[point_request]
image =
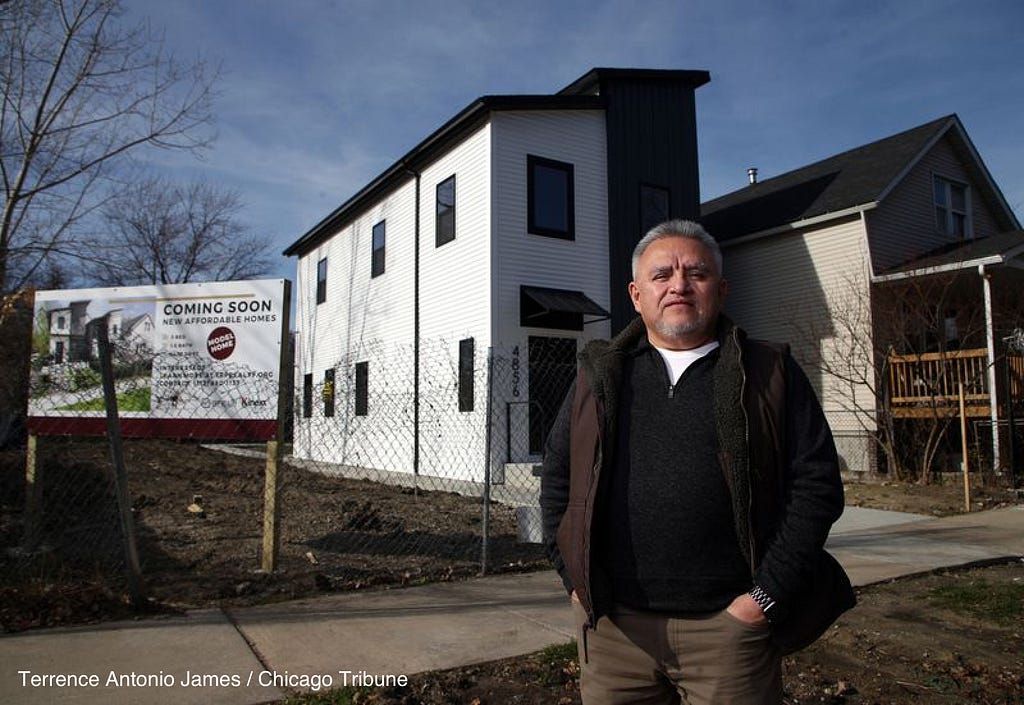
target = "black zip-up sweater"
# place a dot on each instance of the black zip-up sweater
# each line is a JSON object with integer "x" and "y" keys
{"x": 665, "y": 483}
{"x": 775, "y": 452}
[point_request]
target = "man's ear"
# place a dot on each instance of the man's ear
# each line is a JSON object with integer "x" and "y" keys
{"x": 723, "y": 290}
{"x": 634, "y": 295}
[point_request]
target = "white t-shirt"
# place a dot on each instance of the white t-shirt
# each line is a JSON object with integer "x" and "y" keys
{"x": 678, "y": 361}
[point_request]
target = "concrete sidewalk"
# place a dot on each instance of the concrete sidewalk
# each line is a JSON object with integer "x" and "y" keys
{"x": 260, "y": 654}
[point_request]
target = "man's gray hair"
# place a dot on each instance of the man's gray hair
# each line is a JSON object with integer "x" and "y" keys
{"x": 678, "y": 228}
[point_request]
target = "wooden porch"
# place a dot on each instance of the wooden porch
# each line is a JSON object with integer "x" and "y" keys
{"x": 928, "y": 384}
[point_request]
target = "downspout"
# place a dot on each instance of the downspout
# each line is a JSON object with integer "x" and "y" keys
{"x": 416, "y": 331}
{"x": 990, "y": 339}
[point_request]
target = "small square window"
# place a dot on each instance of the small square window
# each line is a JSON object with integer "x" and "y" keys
{"x": 445, "y": 222}
{"x": 362, "y": 388}
{"x": 321, "y": 281}
{"x": 377, "y": 264}
{"x": 551, "y": 198}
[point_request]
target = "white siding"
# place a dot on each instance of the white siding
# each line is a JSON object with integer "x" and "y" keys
{"x": 810, "y": 289}
{"x": 521, "y": 258}
{"x": 455, "y": 303}
{"x": 363, "y": 319}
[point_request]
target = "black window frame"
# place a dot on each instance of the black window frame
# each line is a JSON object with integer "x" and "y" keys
{"x": 362, "y": 388}
{"x": 377, "y": 256}
{"x": 444, "y": 213}
{"x": 307, "y": 395}
{"x": 646, "y": 220}
{"x": 467, "y": 362}
{"x": 321, "y": 281}
{"x": 532, "y": 163}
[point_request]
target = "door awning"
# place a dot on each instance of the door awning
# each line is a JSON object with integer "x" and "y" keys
{"x": 564, "y": 301}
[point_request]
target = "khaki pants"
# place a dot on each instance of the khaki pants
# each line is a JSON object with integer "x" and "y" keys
{"x": 641, "y": 658}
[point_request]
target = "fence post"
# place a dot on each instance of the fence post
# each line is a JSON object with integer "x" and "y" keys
{"x": 963, "y": 444}
{"x": 486, "y": 528}
{"x": 120, "y": 474}
{"x": 33, "y": 494}
{"x": 271, "y": 480}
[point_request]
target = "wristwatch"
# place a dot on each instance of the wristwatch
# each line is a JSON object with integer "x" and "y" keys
{"x": 764, "y": 601}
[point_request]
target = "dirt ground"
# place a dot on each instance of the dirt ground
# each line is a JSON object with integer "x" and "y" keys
{"x": 198, "y": 514}
{"x": 901, "y": 644}
{"x": 335, "y": 534}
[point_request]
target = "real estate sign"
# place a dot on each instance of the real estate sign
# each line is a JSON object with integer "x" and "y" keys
{"x": 190, "y": 360}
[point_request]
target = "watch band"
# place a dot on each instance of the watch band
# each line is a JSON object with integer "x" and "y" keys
{"x": 764, "y": 601}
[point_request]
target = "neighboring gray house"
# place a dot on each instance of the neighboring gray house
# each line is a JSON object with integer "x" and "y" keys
{"x": 509, "y": 228}
{"x": 819, "y": 255}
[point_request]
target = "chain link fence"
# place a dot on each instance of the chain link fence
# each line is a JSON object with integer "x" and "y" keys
{"x": 386, "y": 482}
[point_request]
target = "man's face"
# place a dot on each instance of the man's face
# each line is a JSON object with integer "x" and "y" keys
{"x": 679, "y": 292}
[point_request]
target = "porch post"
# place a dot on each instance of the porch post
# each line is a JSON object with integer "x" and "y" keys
{"x": 990, "y": 340}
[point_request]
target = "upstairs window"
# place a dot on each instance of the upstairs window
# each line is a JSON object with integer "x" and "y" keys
{"x": 445, "y": 221}
{"x": 377, "y": 264}
{"x": 655, "y": 205}
{"x": 952, "y": 208}
{"x": 321, "y": 281}
{"x": 551, "y": 198}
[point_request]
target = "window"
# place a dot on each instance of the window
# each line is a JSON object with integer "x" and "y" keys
{"x": 550, "y": 196}
{"x": 307, "y": 396}
{"x": 654, "y": 206}
{"x": 466, "y": 353}
{"x": 362, "y": 388}
{"x": 321, "y": 281}
{"x": 377, "y": 265}
{"x": 61, "y": 323}
{"x": 328, "y": 392}
{"x": 445, "y": 223}
{"x": 952, "y": 208}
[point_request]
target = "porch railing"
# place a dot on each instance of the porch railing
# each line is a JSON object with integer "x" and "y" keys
{"x": 930, "y": 382}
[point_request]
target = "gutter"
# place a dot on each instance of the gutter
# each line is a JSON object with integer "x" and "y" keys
{"x": 979, "y": 263}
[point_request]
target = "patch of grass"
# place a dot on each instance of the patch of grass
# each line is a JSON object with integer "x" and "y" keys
{"x": 559, "y": 654}
{"x": 1001, "y": 603}
{"x": 132, "y": 400}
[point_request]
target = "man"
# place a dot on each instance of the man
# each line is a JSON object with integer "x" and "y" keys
{"x": 690, "y": 481}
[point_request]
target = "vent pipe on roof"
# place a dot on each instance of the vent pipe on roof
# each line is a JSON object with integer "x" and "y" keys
{"x": 752, "y": 175}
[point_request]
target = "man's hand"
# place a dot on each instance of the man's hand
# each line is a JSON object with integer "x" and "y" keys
{"x": 746, "y": 610}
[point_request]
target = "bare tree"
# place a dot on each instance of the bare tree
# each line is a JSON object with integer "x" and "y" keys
{"x": 159, "y": 233}
{"x": 80, "y": 94}
{"x": 918, "y": 316}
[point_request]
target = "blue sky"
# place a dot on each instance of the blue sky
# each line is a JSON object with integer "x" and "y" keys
{"x": 317, "y": 97}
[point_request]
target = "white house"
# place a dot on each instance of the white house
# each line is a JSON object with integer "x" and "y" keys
{"x": 507, "y": 229}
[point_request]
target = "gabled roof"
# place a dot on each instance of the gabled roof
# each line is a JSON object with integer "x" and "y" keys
{"x": 854, "y": 180}
{"x": 1001, "y": 249}
{"x": 472, "y": 116}
{"x": 582, "y": 94}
